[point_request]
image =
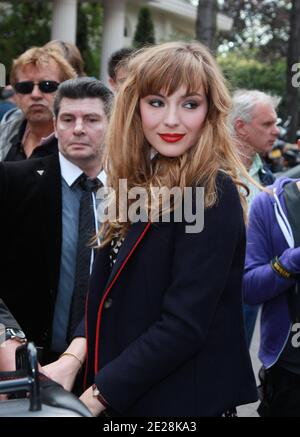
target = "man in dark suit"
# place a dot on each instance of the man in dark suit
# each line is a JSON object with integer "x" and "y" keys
{"x": 40, "y": 209}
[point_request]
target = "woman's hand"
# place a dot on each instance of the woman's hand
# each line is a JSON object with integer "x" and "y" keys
{"x": 64, "y": 370}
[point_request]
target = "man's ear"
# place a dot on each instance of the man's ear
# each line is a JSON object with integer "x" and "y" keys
{"x": 54, "y": 124}
{"x": 113, "y": 84}
{"x": 240, "y": 127}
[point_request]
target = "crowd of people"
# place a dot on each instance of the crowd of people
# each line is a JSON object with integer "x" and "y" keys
{"x": 139, "y": 312}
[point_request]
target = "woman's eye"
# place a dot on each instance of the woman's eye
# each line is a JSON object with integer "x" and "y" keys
{"x": 191, "y": 105}
{"x": 156, "y": 103}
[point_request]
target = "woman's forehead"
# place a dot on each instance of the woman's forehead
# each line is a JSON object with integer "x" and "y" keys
{"x": 181, "y": 90}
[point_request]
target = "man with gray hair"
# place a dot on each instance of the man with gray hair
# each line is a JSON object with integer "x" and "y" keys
{"x": 253, "y": 121}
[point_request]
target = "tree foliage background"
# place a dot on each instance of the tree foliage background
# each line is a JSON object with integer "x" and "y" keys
{"x": 27, "y": 24}
{"x": 265, "y": 43}
{"x": 252, "y": 73}
{"x": 88, "y": 38}
{"x": 22, "y": 25}
{"x": 144, "y": 34}
{"x": 258, "y": 24}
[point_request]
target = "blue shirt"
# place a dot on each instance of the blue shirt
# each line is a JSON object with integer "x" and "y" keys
{"x": 71, "y": 196}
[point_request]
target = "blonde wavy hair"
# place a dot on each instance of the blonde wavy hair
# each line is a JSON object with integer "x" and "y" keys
{"x": 40, "y": 57}
{"x": 166, "y": 68}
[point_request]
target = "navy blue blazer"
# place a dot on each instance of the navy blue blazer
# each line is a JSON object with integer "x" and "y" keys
{"x": 164, "y": 327}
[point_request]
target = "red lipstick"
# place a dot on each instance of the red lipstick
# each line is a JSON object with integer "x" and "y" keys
{"x": 171, "y": 138}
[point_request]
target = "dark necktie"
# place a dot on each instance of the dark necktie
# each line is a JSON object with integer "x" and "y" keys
{"x": 86, "y": 231}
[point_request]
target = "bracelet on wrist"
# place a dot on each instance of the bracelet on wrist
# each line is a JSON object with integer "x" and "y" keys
{"x": 72, "y": 355}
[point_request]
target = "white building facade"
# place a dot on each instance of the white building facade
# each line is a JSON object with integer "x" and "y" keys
{"x": 173, "y": 19}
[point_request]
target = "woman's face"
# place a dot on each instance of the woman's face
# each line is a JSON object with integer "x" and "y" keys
{"x": 172, "y": 124}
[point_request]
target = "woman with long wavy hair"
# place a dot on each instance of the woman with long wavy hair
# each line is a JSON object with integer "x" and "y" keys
{"x": 164, "y": 326}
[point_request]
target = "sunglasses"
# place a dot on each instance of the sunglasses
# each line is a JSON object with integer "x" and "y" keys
{"x": 45, "y": 86}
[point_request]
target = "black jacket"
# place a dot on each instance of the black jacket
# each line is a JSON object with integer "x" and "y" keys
{"x": 30, "y": 222}
{"x": 165, "y": 326}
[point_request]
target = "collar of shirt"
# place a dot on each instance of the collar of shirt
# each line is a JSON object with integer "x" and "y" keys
{"x": 70, "y": 172}
{"x": 46, "y": 139}
{"x": 257, "y": 165}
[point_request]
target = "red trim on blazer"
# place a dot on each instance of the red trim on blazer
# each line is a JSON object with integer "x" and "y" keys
{"x": 86, "y": 338}
{"x": 106, "y": 293}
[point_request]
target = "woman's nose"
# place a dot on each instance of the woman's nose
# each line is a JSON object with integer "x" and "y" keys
{"x": 172, "y": 117}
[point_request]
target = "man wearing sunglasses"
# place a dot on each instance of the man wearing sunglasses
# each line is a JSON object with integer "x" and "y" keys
{"x": 41, "y": 203}
{"x": 35, "y": 76}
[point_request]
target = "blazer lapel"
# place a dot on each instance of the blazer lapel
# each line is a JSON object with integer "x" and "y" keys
{"x": 135, "y": 235}
{"x": 131, "y": 242}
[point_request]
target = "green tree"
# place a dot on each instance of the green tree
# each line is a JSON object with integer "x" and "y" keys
{"x": 250, "y": 73}
{"x": 258, "y": 24}
{"x": 89, "y": 35}
{"x": 23, "y": 25}
{"x": 269, "y": 32}
{"x": 144, "y": 34}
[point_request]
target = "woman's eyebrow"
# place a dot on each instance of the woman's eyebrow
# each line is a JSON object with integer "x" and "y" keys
{"x": 193, "y": 94}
